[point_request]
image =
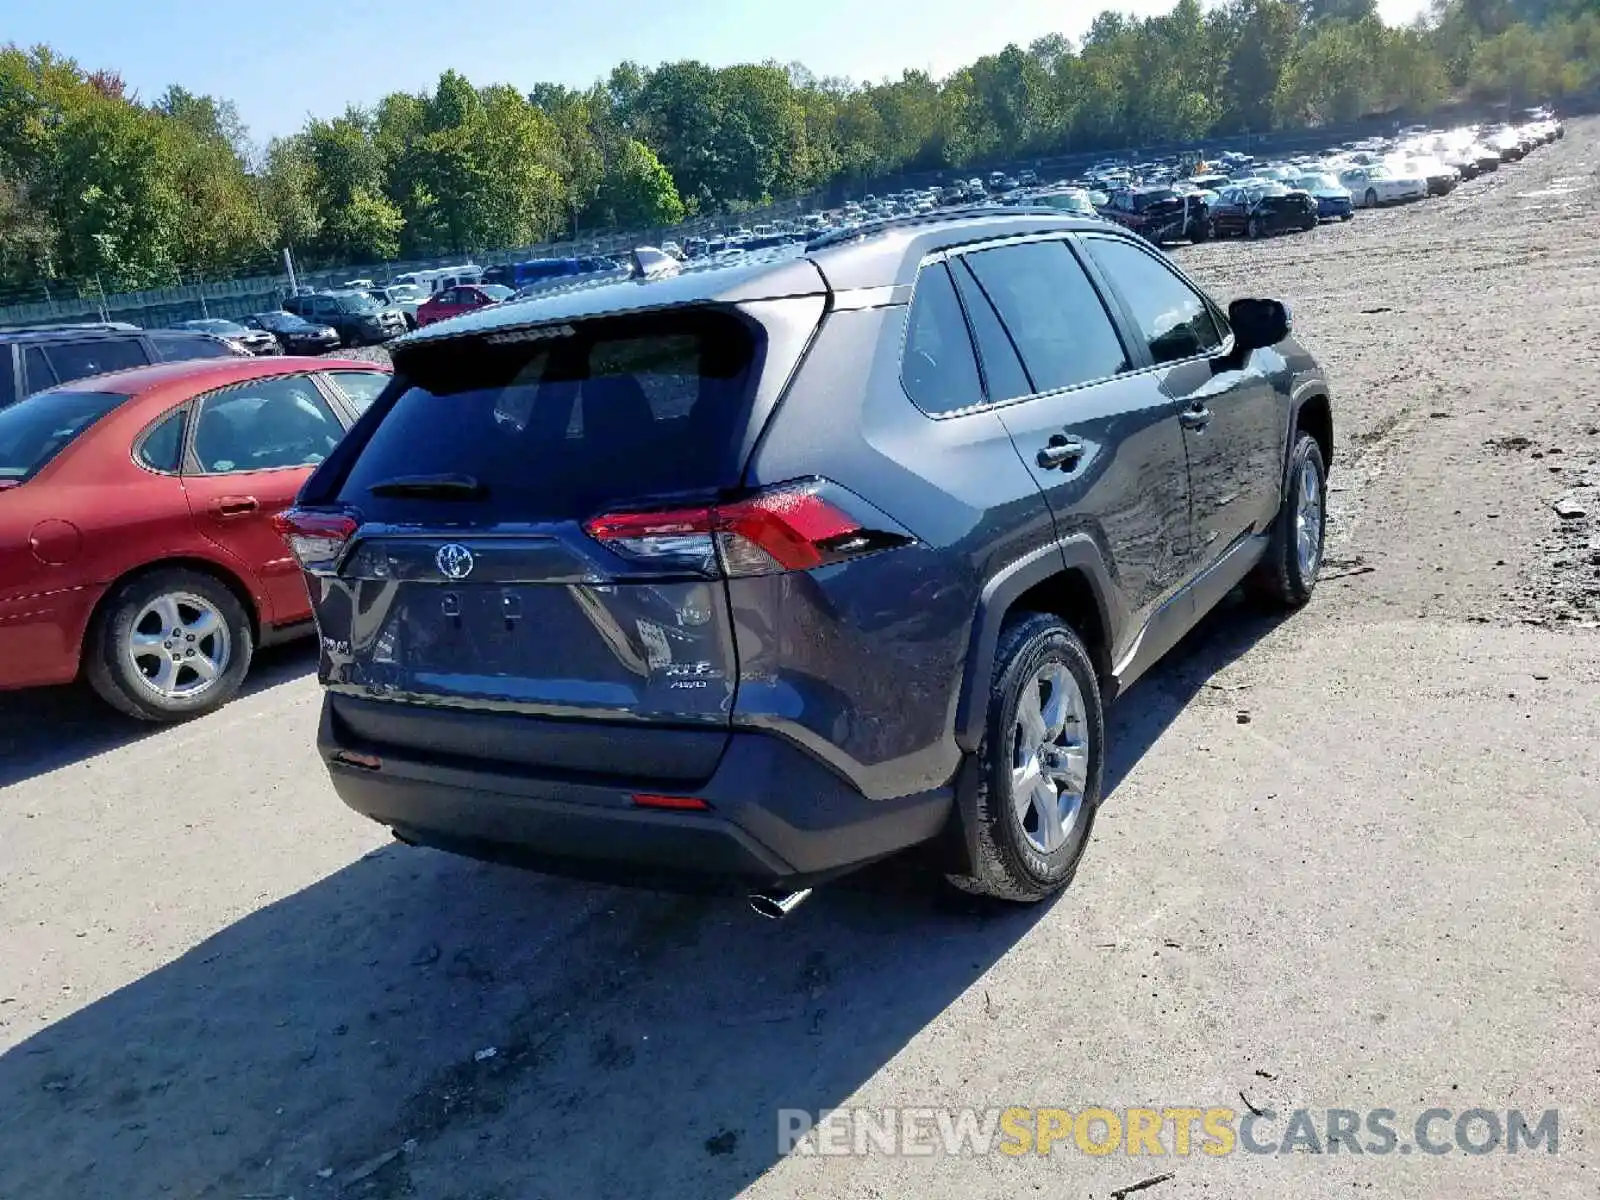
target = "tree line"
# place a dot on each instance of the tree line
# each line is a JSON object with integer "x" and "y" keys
{"x": 95, "y": 182}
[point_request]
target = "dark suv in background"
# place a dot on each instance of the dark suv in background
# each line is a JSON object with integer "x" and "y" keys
{"x": 768, "y": 570}
{"x": 42, "y": 357}
{"x": 357, "y": 317}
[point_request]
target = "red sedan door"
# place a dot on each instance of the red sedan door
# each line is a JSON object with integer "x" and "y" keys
{"x": 254, "y": 444}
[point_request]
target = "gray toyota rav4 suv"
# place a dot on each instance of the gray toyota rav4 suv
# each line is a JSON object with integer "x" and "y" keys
{"x": 763, "y": 571}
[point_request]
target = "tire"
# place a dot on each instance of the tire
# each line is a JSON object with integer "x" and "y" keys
{"x": 1349, "y": 216}
{"x": 127, "y": 679}
{"x": 1286, "y": 577}
{"x": 1200, "y": 231}
{"x": 1372, "y": 197}
{"x": 1008, "y": 861}
{"x": 1253, "y": 229}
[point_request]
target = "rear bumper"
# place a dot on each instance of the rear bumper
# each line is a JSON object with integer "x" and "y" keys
{"x": 776, "y": 817}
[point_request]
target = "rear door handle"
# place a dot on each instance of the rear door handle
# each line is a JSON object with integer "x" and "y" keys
{"x": 1061, "y": 451}
{"x": 1195, "y": 418}
{"x": 224, "y": 507}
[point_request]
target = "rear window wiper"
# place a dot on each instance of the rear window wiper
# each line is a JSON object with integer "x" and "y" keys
{"x": 431, "y": 487}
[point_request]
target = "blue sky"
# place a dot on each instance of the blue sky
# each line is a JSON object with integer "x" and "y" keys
{"x": 283, "y": 60}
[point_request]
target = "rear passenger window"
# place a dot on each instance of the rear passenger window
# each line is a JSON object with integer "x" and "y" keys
{"x": 1055, "y": 316}
{"x": 163, "y": 445}
{"x": 1173, "y": 318}
{"x": 265, "y": 426}
{"x": 938, "y": 370}
{"x": 8, "y": 382}
{"x": 1003, "y": 376}
{"x": 79, "y": 360}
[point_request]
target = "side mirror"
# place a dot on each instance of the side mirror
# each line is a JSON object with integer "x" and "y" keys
{"x": 1258, "y": 324}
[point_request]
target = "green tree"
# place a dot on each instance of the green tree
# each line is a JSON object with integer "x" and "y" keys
{"x": 638, "y": 191}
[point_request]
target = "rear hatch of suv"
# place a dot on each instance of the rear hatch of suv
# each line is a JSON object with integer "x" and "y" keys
{"x": 522, "y": 546}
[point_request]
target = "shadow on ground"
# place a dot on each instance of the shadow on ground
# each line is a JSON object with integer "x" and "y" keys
{"x": 508, "y": 1035}
{"x": 43, "y": 729}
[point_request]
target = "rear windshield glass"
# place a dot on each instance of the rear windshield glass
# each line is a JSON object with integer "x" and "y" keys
{"x": 40, "y": 427}
{"x": 559, "y": 427}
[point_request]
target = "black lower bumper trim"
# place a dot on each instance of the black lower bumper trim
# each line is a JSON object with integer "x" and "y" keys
{"x": 776, "y": 817}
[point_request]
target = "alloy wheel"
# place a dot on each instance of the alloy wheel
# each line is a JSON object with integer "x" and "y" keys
{"x": 179, "y": 645}
{"x": 1050, "y": 757}
{"x": 1308, "y": 521}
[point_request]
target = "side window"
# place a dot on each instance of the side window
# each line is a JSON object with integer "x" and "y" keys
{"x": 1170, "y": 314}
{"x": 265, "y": 426}
{"x": 361, "y": 388}
{"x": 96, "y": 356}
{"x": 162, "y": 445}
{"x": 8, "y": 377}
{"x": 37, "y": 374}
{"x": 1003, "y": 376}
{"x": 938, "y": 370}
{"x": 1055, "y": 316}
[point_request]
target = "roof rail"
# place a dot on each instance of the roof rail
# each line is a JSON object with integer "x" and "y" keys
{"x": 837, "y": 237}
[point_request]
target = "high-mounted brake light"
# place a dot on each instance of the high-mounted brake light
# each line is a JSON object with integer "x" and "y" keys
{"x": 316, "y": 539}
{"x": 789, "y": 528}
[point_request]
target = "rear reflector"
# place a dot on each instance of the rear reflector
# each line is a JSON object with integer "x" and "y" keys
{"x": 316, "y": 539}
{"x": 349, "y": 758}
{"x": 689, "y": 803}
{"x": 789, "y": 528}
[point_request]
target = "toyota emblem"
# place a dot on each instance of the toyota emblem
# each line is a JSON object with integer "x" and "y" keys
{"x": 454, "y": 560}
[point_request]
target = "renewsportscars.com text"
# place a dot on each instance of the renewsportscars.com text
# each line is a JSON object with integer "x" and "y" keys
{"x": 1153, "y": 1132}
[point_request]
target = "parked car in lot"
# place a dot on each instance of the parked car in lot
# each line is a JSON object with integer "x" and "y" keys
{"x": 359, "y": 319}
{"x": 1259, "y": 209}
{"x": 407, "y": 297}
{"x": 1440, "y": 177}
{"x": 40, "y": 357}
{"x": 766, "y": 571}
{"x": 250, "y": 341}
{"x": 452, "y": 302}
{"x": 1068, "y": 200}
{"x": 1371, "y": 186}
{"x": 295, "y": 334}
{"x": 1334, "y": 202}
{"x": 136, "y": 543}
{"x": 1161, "y": 214}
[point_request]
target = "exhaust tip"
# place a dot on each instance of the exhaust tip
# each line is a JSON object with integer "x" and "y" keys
{"x": 774, "y": 906}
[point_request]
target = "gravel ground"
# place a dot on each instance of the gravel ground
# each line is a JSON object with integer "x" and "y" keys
{"x": 1347, "y": 861}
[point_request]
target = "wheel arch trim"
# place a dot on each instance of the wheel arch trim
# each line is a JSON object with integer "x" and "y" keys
{"x": 1073, "y": 555}
{"x": 228, "y": 578}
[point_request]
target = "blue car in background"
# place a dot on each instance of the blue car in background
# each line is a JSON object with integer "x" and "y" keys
{"x": 544, "y": 270}
{"x": 1334, "y": 201}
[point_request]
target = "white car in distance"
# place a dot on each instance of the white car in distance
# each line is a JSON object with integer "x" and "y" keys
{"x": 1380, "y": 184}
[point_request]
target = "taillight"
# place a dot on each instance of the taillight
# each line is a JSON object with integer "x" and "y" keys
{"x": 788, "y": 528}
{"x": 317, "y": 539}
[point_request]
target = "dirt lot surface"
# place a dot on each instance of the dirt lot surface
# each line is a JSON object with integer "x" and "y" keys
{"x": 1347, "y": 861}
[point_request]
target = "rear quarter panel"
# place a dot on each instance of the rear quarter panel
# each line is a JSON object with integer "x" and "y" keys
{"x": 862, "y": 663}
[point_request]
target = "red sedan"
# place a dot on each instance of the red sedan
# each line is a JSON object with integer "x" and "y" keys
{"x": 136, "y": 539}
{"x": 453, "y": 301}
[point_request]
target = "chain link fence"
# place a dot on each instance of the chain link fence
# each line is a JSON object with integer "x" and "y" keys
{"x": 196, "y": 294}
